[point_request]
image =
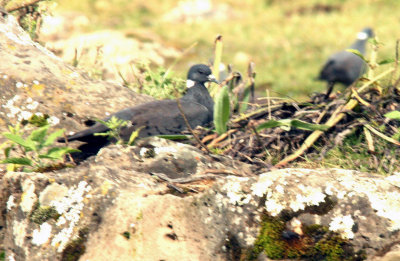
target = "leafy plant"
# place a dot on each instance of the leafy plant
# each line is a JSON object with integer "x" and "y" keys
{"x": 221, "y": 110}
{"x": 34, "y": 153}
{"x": 160, "y": 83}
{"x": 234, "y": 96}
{"x": 115, "y": 125}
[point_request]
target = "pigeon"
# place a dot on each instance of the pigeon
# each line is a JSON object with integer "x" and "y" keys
{"x": 161, "y": 117}
{"x": 346, "y": 67}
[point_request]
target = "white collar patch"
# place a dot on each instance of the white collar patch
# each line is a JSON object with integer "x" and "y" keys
{"x": 362, "y": 36}
{"x": 189, "y": 83}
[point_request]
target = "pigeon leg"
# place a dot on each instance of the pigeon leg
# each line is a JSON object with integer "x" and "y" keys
{"x": 330, "y": 88}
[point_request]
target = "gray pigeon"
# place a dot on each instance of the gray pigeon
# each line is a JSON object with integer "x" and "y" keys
{"x": 161, "y": 117}
{"x": 346, "y": 67}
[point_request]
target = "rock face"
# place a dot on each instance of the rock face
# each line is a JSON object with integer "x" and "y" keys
{"x": 33, "y": 80}
{"x": 111, "y": 207}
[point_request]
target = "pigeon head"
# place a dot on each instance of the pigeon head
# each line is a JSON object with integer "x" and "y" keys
{"x": 200, "y": 73}
{"x": 366, "y": 33}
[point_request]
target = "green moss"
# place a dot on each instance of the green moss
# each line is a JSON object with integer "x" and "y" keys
{"x": 42, "y": 214}
{"x": 2, "y": 255}
{"x": 317, "y": 243}
{"x": 76, "y": 247}
{"x": 270, "y": 240}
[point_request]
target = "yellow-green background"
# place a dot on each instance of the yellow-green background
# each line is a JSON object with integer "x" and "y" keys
{"x": 289, "y": 40}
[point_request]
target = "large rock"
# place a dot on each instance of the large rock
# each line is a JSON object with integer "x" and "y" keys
{"x": 119, "y": 206}
{"x": 33, "y": 80}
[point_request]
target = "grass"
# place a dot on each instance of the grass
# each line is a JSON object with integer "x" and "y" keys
{"x": 288, "y": 40}
{"x": 353, "y": 154}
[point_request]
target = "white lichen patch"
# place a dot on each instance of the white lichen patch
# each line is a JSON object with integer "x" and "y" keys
{"x": 234, "y": 191}
{"x": 41, "y": 235}
{"x": 261, "y": 187}
{"x": 273, "y": 206}
{"x": 28, "y": 197}
{"x": 19, "y": 232}
{"x": 53, "y": 120}
{"x": 10, "y": 203}
{"x": 20, "y": 112}
{"x": 277, "y": 198}
{"x": 159, "y": 150}
{"x": 343, "y": 225}
{"x": 387, "y": 205}
{"x": 69, "y": 207}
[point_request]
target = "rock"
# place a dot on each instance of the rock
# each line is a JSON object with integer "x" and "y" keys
{"x": 194, "y": 11}
{"x": 106, "y": 54}
{"x": 34, "y": 80}
{"x": 115, "y": 209}
{"x": 112, "y": 53}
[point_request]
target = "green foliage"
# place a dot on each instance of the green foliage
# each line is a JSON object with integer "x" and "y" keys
{"x": 395, "y": 115}
{"x": 286, "y": 124}
{"x": 42, "y": 214}
{"x": 2, "y": 255}
{"x": 35, "y": 152}
{"x": 289, "y": 52}
{"x": 222, "y": 110}
{"x": 160, "y": 83}
{"x": 115, "y": 125}
{"x": 317, "y": 243}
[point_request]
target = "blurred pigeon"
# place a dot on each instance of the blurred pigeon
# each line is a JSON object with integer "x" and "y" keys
{"x": 161, "y": 117}
{"x": 346, "y": 67}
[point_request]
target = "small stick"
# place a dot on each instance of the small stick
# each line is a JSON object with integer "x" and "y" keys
{"x": 190, "y": 128}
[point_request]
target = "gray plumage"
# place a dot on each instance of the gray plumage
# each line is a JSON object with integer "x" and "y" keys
{"x": 346, "y": 67}
{"x": 162, "y": 117}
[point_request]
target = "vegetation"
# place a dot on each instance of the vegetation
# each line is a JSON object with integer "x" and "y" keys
{"x": 317, "y": 243}
{"x": 160, "y": 83}
{"x": 28, "y": 13}
{"x": 34, "y": 151}
{"x": 115, "y": 125}
{"x": 288, "y": 40}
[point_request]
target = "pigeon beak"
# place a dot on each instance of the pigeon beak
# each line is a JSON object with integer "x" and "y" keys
{"x": 211, "y": 78}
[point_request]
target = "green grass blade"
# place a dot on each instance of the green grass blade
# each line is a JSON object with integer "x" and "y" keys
{"x": 308, "y": 126}
{"x": 288, "y": 123}
{"x": 395, "y": 115}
